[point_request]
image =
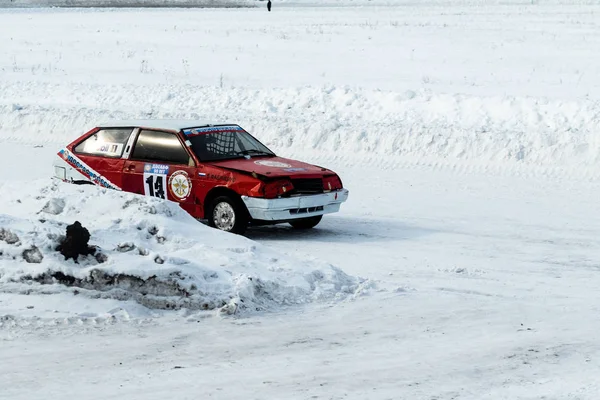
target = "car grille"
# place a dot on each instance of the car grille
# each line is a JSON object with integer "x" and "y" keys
{"x": 308, "y": 185}
{"x": 306, "y": 210}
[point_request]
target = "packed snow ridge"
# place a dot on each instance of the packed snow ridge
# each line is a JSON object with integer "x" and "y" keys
{"x": 151, "y": 252}
{"x": 127, "y": 3}
{"x": 338, "y": 121}
{"x": 246, "y": 3}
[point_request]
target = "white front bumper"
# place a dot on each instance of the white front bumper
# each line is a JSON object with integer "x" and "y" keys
{"x": 295, "y": 207}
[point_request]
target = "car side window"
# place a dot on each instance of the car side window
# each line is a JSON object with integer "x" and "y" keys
{"x": 161, "y": 147}
{"x": 106, "y": 142}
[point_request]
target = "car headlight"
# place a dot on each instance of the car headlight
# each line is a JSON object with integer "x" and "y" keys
{"x": 332, "y": 182}
{"x": 271, "y": 190}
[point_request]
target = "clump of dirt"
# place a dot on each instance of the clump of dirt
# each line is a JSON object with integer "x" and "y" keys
{"x": 76, "y": 242}
{"x": 33, "y": 255}
{"x": 125, "y": 247}
{"x": 9, "y": 237}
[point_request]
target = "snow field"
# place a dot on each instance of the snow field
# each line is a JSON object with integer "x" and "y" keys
{"x": 282, "y": 77}
{"x": 446, "y": 124}
{"x": 126, "y": 3}
{"x": 540, "y": 50}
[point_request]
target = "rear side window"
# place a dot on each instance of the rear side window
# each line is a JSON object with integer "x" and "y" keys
{"x": 160, "y": 146}
{"x": 105, "y": 142}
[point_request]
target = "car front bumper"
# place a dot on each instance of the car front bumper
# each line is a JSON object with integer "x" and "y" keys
{"x": 289, "y": 208}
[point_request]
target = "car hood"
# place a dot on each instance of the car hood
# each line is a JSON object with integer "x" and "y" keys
{"x": 272, "y": 166}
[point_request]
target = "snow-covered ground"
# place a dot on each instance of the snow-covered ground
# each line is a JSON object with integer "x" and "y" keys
{"x": 424, "y": 84}
{"x": 464, "y": 265}
{"x": 127, "y": 3}
{"x": 150, "y": 253}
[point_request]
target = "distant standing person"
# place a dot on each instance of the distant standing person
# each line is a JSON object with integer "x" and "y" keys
{"x": 269, "y": 5}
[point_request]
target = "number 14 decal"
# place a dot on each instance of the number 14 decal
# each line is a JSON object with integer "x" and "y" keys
{"x": 155, "y": 185}
{"x": 155, "y": 180}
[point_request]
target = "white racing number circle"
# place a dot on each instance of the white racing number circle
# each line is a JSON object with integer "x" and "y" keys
{"x": 275, "y": 164}
{"x": 180, "y": 185}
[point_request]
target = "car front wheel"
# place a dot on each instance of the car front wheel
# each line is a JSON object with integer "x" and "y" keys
{"x": 306, "y": 223}
{"x": 228, "y": 214}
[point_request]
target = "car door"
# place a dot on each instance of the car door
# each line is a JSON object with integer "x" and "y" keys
{"x": 159, "y": 165}
{"x": 101, "y": 154}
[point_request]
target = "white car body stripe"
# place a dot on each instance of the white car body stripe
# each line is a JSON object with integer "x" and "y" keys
{"x": 85, "y": 170}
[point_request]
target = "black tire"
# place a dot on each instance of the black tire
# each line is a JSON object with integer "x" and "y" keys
{"x": 225, "y": 205}
{"x": 306, "y": 223}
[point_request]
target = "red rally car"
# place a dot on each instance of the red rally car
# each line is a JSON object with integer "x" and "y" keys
{"x": 216, "y": 172}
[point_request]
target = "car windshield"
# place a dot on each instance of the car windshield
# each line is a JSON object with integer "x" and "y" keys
{"x": 215, "y": 143}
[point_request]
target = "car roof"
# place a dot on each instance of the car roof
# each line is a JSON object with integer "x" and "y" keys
{"x": 170, "y": 124}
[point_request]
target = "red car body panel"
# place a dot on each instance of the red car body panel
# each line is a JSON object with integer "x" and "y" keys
{"x": 273, "y": 167}
{"x": 135, "y": 180}
{"x": 109, "y": 168}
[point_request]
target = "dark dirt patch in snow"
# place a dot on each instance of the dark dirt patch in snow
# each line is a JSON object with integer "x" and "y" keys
{"x": 8, "y": 236}
{"x": 159, "y": 293}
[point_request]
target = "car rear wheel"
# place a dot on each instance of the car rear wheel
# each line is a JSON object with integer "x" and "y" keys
{"x": 306, "y": 223}
{"x": 228, "y": 214}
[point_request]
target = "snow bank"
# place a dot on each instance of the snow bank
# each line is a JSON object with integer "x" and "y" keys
{"x": 295, "y": 3}
{"x": 441, "y": 3}
{"x": 150, "y": 252}
{"x": 127, "y": 3}
{"x": 524, "y": 98}
{"x": 338, "y": 121}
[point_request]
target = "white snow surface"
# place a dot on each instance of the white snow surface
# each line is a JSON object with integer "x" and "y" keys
{"x": 126, "y": 3}
{"x": 466, "y": 132}
{"x": 184, "y": 264}
{"x": 510, "y": 84}
{"x": 411, "y": 127}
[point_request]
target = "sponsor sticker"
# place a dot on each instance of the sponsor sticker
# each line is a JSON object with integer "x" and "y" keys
{"x": 155, "y": 178}
{"x": 113, "y": 149}
{"x": 274, "y": 164}
{"x": 226, "y": 178}
{"x": 160, "y": 169}
{"x": 180, "y": 185}
{"x": 211, "y": 129}
{"x": 105, "y": 148}
{"x": 295, "y": 169}
{"x": 85, "y": 170}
